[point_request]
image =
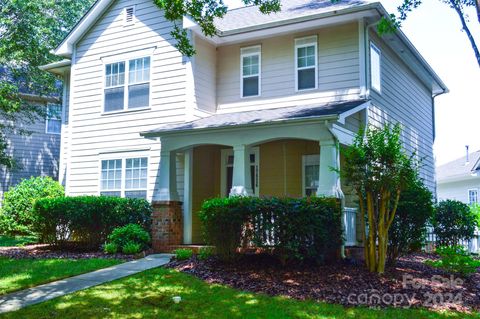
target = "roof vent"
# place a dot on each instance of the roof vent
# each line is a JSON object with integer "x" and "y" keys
{"x": 129, "y": 15}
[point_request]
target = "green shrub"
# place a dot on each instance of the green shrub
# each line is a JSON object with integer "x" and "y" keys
{"x": 131, "y": 248}
{"x": 409, "y": 227}
{"x": 131, "y": 233}
{"x": 183, "y": 253}
{"x": 110, "y": 248}
{"x": 17, "y": 215}
{"x": 455, "y": 259}
{"x": 307, "y": 228}
{"x": 453, "y": 221}
{"x": 205, "y": 252}
{"x": 88, "y": 220}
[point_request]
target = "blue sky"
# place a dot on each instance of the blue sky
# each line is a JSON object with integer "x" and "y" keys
{"x": 436, "y": 31}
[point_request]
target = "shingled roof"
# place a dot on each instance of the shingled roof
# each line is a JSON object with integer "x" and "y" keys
{"x": 459, "y": 168}
{"x": 264, "y": 116}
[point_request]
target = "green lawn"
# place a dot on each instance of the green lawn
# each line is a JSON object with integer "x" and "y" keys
{"x": 16, "y": 274}
{"x": 148, "y": 295}
{"x": 7, "y": 241}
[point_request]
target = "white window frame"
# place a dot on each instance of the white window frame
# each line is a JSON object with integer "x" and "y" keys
{"x": 377, "y": 87}
{"x": 224, "y": 154}
{"x": 47, "y": 118}
{"x": 123, "y": 157}
{"x": 476, "y": 196}
{"x": 126, "y": 59}
{"x": 302, "y": 43}
{"x": 247, "y": 52}
{"x": 125, "y": 22}
{"x": 308, "y": 159}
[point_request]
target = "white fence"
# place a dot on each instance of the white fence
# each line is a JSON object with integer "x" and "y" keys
{"x": 472, "y": 245}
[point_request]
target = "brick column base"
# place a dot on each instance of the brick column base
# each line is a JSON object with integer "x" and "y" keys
{"x": 167, "y": 225}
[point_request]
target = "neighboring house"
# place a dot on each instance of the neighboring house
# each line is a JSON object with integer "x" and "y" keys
{"x": 460, "y": 180}
{"x": 38, "y": 153}
{"x": 259, "y": 110}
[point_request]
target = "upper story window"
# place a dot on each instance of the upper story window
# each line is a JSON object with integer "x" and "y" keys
{"x": 375, "y": 71}
{"x": 124, "y": 177}
{"x": 121, "y": 92}
{"x": 53, "y": 123}
{"x": 472, "y": 196}
{"x": 250, "y": 68}
{"x": 306, "y": 57}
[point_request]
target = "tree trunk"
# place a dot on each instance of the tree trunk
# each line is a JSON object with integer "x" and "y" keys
{"x": 457, "y": 8}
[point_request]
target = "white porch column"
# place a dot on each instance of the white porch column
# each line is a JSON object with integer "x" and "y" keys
{"x": 329, "y": 180}
{"x": 241, "y": 181}
{"x": 187, "y": 197}
{"x": 167, "y": 188}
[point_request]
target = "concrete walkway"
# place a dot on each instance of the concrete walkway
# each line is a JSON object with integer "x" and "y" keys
{"x": 31, "y": 296}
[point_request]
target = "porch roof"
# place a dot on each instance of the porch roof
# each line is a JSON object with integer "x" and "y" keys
{"x": 265, "y": 116}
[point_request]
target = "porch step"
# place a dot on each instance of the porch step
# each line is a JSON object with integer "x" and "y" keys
{"x": 171, "y": 248}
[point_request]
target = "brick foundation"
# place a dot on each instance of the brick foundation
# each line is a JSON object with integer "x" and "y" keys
{"x": 167, "y": 225}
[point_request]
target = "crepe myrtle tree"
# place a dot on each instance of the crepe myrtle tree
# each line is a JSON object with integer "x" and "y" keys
{"x": 377, "y": 168}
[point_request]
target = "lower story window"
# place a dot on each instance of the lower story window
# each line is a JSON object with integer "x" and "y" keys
{"x": 124, "y": 177}
{"x": 311, "y": 166}
{"x": 473, "y": 196}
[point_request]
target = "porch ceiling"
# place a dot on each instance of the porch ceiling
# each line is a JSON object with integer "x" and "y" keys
{"x": 266, "y": 116}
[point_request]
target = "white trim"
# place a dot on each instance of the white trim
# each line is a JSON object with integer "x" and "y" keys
{"x": 379, "y": 52}
{"x": 361, "y": 57}
{"x": 187, "y": 197}
{"x": 476, "y": 195}
{"x": 308, "y": 159}
{"x": 344, "y": 115}
{"x": 302, "y": 43}
{"x": 47, "y": 118}
{"x": 122, "y": 156}
{"x": 126, "y": 58}
{"x": 255, "y": 50}
{"x": 224, "y": 153}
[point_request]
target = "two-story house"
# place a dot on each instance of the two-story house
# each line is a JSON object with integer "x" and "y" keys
{"x": 259, "y": 110}
{"x": 36, "y": 153}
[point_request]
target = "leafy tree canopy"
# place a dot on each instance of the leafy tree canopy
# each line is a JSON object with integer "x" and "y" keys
{"x": 29, "y": 30}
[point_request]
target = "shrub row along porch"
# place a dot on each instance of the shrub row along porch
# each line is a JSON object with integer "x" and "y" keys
{"x": 292, "y": 152}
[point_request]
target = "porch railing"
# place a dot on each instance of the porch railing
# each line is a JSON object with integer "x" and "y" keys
{"x": 472, "y": 245}
{"x": 350, "y": 222}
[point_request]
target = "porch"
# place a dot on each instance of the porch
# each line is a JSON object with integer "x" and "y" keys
{"x": 294, "y": 157}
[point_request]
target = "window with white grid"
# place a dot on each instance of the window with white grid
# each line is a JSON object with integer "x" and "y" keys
{"x": 111, "y": 178}
{"x": 136, "y": 177}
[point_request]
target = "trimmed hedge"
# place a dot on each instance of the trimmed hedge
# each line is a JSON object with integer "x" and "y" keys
{"x": 294, "y": 229}
{"x": 87, "y": 220}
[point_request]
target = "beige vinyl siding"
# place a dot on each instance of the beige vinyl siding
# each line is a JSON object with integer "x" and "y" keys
{"x": 405, "y": 99}
{"x": 338, "y": 71}
{"x": 458, "y": 190}
{"x": 92, "y": 133}
{"x": 65, "y": 131}
{"x": 204, "y": 71}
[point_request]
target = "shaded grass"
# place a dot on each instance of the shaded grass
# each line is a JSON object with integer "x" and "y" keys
{"x": 16, "y": 274}
{"x": 8, "y": 241}
{"x": 149, "y": 295}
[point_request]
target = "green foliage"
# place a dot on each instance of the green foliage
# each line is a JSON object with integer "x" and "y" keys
{"x": 307, "y": 228}
{"x": 17, "y": 216}
{"x": 203, "y": 13}
{"x": 88, "y": 220}
{"x": 131, "y": 248}
{"x": 183, "y": 253}
{"x": 475, "y": 208}
{"x": 409, "y": 228}
{"x": 19, "y": 241}
{"x": 453, "y": 222}
{"x": 205, "y": 253}
{"x": 455, "y": 259}
{"x": 378, "y": 169}
{"x": 131, "y": 233}
{"x": 29, "y": 31}
{"x": 110, "y": 248}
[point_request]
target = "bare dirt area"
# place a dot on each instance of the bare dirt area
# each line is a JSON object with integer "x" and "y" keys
{"x": 410, "y": 283}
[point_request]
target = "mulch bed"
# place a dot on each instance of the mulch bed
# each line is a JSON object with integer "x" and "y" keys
{"x": 344, "y": 283}
{"x": 41, "y": 251}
